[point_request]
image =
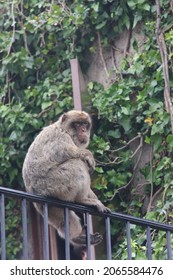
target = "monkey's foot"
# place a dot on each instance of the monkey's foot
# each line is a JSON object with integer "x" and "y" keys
{"x": 95, "y": 239}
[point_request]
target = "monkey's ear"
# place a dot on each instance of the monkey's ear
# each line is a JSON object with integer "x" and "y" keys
{"x": 64, "y": 117}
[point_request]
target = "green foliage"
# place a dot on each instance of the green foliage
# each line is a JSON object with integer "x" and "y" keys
{"x": 12, "y": 229}
{"x": 37, "y": 40}
{"x": 134, "y": 106}
{"x": 35, "y": 87}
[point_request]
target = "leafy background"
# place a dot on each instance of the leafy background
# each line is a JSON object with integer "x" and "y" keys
{"x": 37, "y": 39}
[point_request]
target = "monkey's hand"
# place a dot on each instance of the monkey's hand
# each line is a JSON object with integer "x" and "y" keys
{"x": 89, "y": 160}
{"x": 101, "y": 208}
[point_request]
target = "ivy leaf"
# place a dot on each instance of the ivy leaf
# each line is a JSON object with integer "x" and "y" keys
{"x": 114, "y": 133}
{"x": 131, "y": 4}
{"x": 146, "y": 7}
{"x": 126, "y": 123}
{"x": 147, "y": 139}
{"x": 156, "y": 140}
{"x": 100, "y": 25}
{"x": 13, "y": 136}
{"x": 169, "y": 140}
{"x": 149, "y": 120}
{"x": 46, "y": 104}
{"x": 99, "y": 169}
{"x": 154, "y": 129}
{"x": 137, "y": 18}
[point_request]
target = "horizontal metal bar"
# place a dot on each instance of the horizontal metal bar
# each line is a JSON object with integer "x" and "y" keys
{"x": 84, "y": 209}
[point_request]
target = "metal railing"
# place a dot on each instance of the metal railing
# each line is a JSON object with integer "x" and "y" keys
{"x": 148, "y": 225}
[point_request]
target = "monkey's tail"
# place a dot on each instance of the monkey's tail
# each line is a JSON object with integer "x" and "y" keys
{"x": 39, "y": 208}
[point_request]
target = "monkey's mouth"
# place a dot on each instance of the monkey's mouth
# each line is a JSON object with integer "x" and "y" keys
{"x": 83, "y": 141}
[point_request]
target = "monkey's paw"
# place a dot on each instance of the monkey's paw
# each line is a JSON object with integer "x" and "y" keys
{"x": 103, "y": 209}
{"x": 90, "y": 163}
{"x": 95, "y": 239}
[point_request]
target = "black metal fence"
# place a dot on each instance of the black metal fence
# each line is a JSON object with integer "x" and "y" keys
{"x": 147, "y": 225}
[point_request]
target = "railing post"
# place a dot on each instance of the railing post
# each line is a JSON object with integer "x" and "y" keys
{"x": 76, "y": 84}
{"x": 67, "y": 239}
{"x": 46, "y": 232}
{"x": 77, "y": 80}
{"x": 3, "y": 237}
{"x": 149, "y": 249}
{"x": 128, "y": 237}
{"x": 168, "y": 244}
{"x": 25, "y": 233}
{"x": 88, "y": 231}
{"x": 108, "y": 238}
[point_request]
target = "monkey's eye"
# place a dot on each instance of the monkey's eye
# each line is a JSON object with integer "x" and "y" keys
{"x": 87, "y": 125}
{"x": 77, "y": 125}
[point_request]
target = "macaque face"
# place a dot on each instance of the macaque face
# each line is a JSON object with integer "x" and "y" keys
{"x": 78, "y": 126}
{"x": 82, "y": 133}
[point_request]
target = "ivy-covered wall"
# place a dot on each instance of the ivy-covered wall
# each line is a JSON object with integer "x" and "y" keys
{"x": 37, "y": 40}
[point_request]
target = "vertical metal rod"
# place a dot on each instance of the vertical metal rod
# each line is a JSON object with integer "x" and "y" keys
{"x": 149, "y": 249}
{"x": 46, "y": 232}
{"x": 168, "y": 244}
{"x": 2, "y": 219}
{"x": 108, "y": 238}
{"x": 88, "y": 231}
{"x": 67, "y": 239}
{"x": 25, "y": 233}
{"x": 76, "y": 84}
{"x": 128, "y": 237}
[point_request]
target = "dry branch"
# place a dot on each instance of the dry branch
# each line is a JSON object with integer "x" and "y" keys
{"x": 14, "y": 28}
{"x": 171, "y": 4}
{"x": 151, "y": 182}
{"x": 139, "y": 149}
{"x": 101, "y": 54}
{"x": 127, "y": 45}
{"x": 164, "y": 56}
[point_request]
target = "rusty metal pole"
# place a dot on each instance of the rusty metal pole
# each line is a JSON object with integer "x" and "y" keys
{"x": 77, "y": 80}
{"x": 76, "y": 84}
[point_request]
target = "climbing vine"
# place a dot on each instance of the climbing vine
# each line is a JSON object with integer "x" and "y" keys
{"x": 37, "y": 40}
{"x": 138, "y": 106}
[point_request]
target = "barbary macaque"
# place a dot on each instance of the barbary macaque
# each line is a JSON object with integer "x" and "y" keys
{"x": 58, "y": 165}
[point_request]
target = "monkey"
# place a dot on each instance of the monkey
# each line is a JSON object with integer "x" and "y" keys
{"x": 58, "y": 164}
{"x": 80, "y": 252}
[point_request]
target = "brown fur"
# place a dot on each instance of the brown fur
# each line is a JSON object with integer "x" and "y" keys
{"x": 58, "y": 164}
